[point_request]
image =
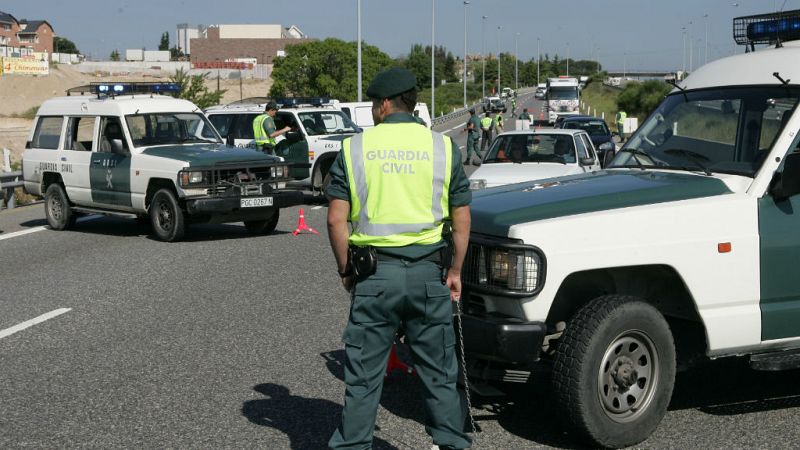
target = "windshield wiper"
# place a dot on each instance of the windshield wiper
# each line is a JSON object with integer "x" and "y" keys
{"x": 634, "y": 152}
{"x": 691, "y": 156}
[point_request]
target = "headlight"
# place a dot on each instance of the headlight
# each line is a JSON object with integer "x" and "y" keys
{"x": 477, "y": 184}
{"x": 510, "y": 269}
{"x": 279, "y": 171}
{"x": 190, "y": 178}
{"x": 607, "y": 146}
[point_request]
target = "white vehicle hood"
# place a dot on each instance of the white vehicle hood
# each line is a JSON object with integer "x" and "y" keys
{"x": 498, "y": 174}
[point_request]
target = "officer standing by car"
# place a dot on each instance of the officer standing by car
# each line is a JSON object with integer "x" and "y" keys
{"x": 264, "y": 130}
{"x": 473, "y": 134}
{"x": 398, "y": 272}
{"x": 621, "y": 116}
{"x": 487, "y": 123}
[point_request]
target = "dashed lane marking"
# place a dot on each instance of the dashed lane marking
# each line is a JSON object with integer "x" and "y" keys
{"x": 29, "y": 323}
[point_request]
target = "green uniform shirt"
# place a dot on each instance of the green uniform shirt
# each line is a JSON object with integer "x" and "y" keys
{"x": 459, "y": 194}
{"x": 476, "y": 124}
{"x": 524, "y": 116}
{"x": 269, "y": 126}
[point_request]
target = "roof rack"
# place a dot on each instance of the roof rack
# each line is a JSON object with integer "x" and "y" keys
{"x": 771, "y": 28}
{"x": 126, "y": 88}
{"x": 250, "y": 100}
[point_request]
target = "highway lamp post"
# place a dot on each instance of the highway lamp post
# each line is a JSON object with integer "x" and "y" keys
{"x": 706, "y": 50}
{"x": 359, "y": 51}
{"x": 516, "y": 61}
{"x": 433, "y": 58}
{"x": 483, "y": 57}
{"x": 567, "y": 58}
{"x": 538, "y": 59}
{"x": 465, "y": 53}
{"x": 498, "y": 60}
{"x": 691, "y": 48}
{"x": 683, "y": 59}
{"x": 624, "y": 65}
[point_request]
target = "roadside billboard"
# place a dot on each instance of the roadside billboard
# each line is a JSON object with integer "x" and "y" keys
{"x": 24, "y": 66}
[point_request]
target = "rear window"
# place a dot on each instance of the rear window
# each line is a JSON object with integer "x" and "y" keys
{"x": 48, "y": 133}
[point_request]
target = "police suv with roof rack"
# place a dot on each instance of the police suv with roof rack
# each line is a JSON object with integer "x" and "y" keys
{"x": 318, "y": 129}
{"x": 128, "y": 151}
{"x": 705, "y": 197}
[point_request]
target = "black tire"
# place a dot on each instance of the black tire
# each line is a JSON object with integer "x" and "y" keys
{"x": 57, "y": 209}
{"x": 321, "y": 169}
{"x": 166, "y": 216}
{"x": 614, "y": 371}
{"x": 263, "y": 226}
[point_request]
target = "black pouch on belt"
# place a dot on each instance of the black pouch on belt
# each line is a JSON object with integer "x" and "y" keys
{"x": 364, "y": 261}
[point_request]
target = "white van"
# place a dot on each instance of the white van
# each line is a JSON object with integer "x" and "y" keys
{"x": 361, "y": 112}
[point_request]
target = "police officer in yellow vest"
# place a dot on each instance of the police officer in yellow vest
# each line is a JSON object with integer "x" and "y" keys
{"x": 487, "y": 125}
{"x": 264, "y": 130}
{"x": 398, "y": 185}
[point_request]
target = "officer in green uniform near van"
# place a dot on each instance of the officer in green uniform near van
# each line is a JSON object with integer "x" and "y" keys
{"x": 377, "y": 181}
{"x": 264, "y": 130}
{"x": 473, "y": 135}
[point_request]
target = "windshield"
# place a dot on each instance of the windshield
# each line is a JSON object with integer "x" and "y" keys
{"x": 326, "y": 122}
{"x": 170, "y": 128}
{"x": 542, "y": 148}
{"x": 594, "y": 128}
{"x": 563, "y": 93}
{"x": 728, "y": 130}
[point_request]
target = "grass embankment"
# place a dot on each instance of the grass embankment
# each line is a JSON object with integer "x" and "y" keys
{"x": 450, "y": 97}
{"x": 29, "y": 114}
{"x": 600, "y": 99}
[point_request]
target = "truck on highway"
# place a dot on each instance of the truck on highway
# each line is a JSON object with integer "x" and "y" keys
{"x": 683, "y": 250}
{"x": 563, "y": 97}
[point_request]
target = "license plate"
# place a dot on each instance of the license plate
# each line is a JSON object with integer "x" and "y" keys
{"x": 256, "y": 202}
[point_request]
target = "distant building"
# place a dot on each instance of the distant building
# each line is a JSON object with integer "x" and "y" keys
{"x": 185, "y": 34}
{"x": 259, "y": 42}
{"x": 24, "y": 37}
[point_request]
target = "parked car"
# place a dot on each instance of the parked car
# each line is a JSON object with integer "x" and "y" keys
{"x": 494, "y": 104}
{"x": 518, "y": 156}
{"x": 683, "y": 250}
{"x": 598, "y": 131}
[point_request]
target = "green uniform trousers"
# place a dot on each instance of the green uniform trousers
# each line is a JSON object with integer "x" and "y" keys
{"x": 472, "y": 146}
{"x": 411, "y": 295}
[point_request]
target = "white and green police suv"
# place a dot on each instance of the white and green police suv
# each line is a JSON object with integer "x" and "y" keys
{"x": 128, "y": 151}
{"x": 687, "y": 247}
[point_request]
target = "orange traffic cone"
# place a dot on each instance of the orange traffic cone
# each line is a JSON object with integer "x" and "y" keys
{"x": 396, "y": 363}
{"x": 541, "y": 119}
{"x": 301, "y": 225}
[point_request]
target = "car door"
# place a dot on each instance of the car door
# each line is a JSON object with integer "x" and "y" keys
{"x": 75, "y": 157}
{"x": 111, "y": 166}
{"x": 587, "y": 141}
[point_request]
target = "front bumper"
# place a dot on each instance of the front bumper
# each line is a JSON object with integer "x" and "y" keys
{"x": 232, "y": 204}
{"x": 502, "y": 338}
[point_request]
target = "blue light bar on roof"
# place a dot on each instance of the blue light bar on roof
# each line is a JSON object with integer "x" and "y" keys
{"x": 289, "y": 102}
{"x": 767, "y": 28}
{"x": 136, "y": 88}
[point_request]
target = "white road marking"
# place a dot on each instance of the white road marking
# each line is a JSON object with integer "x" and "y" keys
{"x": 43, "y": 227}
{"x": 316, "y": 207}
{"x": 29, "y": 323}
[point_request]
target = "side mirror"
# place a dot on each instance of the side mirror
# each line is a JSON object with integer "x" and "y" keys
{"x": 587, "y": 161}
{"x": 294, "y": 136}
{"x": 787, "y": 183}
{"x": 229, "y": 141}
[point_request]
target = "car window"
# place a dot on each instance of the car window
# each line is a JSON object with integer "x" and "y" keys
{"x": 80, "y": 133}
{"x": 593, "y": 127}
{"x": 112, "y": 139}
{"x": 326, "y": 122}
{"x": 541, "y": 148}
{"x": 222, "y": 122}
{"x": 589, "y": 145}
{"x": 581, "y": 146}
{"x": 169, "y": 128}
{"x": 48, "y": 133}
{"x": 244, "y": 126}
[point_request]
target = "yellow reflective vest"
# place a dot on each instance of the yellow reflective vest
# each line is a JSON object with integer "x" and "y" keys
{"x": 399, "y": 177}
{"x": 259, "y": 134}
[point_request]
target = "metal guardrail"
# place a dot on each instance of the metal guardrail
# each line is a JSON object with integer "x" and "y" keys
{"x": 8, "y": 182}
{"x": 464, "y": 111}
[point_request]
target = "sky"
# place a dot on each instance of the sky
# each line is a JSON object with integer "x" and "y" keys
{"x": 622, "y": 34}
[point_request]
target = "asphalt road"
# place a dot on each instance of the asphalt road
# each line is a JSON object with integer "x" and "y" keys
{"x": 232, "y": 341}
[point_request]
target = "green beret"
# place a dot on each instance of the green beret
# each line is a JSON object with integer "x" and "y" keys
{"x": 391, "y": 83}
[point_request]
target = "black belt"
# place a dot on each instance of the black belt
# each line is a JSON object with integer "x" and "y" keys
{"x": 436, "y": 257}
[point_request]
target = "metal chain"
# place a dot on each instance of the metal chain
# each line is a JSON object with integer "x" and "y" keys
{"x": 466, "y": 382}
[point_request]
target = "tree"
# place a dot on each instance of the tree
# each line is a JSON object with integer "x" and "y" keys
{"x": 114, "y": 55}
{"x": 64, "y": 45}
{"x": 418, "y": 61}
{"x": 164, "y": 45}
{"x": 193, "y": 88}
{"x": 326, "y": 68}
{"x": 175, "y": 53}
{"x": 640, "y": 99}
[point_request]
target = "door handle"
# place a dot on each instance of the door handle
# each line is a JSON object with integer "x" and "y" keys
{"x": 96, "y": 162}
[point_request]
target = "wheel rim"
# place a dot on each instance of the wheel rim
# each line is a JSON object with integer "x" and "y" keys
{"x": 56, "y": 208}
{"x": 164, "y": 216}
{"x": 628, "y": 376}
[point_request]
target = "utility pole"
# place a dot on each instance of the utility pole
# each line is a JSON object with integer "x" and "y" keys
{"x": 433, "y": 58}
{"x": 465, "y": 53}
{"x": 516, "y": 62}
{"x": 359, "y": 51}
{"x": 567, "y": 58}
{"x": 683, "y": 59}
{"x": 498, "y": 60}
{"x": 483, "y": 58}
{"x": 706, "y": 51}
{"x": 691, "y": 48}
{"x": 538, "y": 59}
